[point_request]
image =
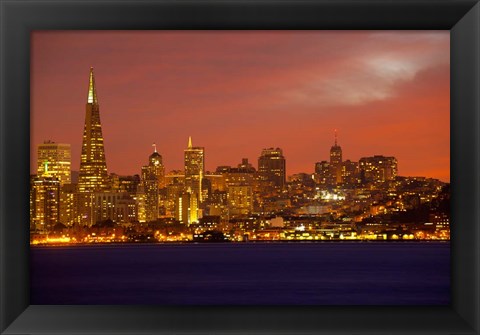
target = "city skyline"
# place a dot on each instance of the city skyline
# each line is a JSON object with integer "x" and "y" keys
{"x": 349, "y": 195}
{"x": 420, "y": 79}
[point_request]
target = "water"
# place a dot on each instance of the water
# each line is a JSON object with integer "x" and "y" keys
{"x": 243, "y": 274}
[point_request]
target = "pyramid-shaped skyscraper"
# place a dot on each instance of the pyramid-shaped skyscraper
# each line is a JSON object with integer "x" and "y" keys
{"x": 93, "y": 176}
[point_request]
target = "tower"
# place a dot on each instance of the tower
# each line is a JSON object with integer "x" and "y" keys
{"x": 44, "y": 200}
{"x": 336, "y": 162}
{"x": 272, "y": 169}
{"x": 153, "y": 176}
{"x": 93, "y": 175}
{"x": 194, "y": 168}
{"x": 156, "y": 161}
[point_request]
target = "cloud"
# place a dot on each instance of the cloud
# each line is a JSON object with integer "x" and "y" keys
{"x": 374, "y": 72}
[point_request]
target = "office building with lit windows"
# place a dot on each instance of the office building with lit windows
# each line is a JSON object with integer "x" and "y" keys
{"x": 127, "y": 184}
{"x": 186, "y": 208}
{"x": 93, "y": 176}
{"x": 140, "y": 203}
{"x": 153, "y": 178}
{"x": 116, "y": 206}
{"x": 194, "y": 159}
{"x": 377, "y": 169}
{"x": 350, "y": 173}
{"x": 240, "y": 199}
{"x": 68, "y": 204}
{"x": 175, "y": 181}
{"x": 57, "y": 158}
{"x": 336, "y": 162}
{"x": 44, "y": 202}
{"x": 239, "y": 184}
{"x": 322, "y": 174}
{"x": 272, "y": 169}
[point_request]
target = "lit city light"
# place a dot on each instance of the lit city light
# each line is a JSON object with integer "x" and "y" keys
{"x": 342, "y": 200}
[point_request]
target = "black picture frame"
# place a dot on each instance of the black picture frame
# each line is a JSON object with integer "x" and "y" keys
{"x": 19, "y": 17}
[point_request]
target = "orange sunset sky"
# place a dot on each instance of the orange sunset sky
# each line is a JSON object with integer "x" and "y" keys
{"x": 236, "y": 92}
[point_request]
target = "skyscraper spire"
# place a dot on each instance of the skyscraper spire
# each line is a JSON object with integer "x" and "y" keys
{"x": 154, "y": 147}
{"x": 336, "y": 161}
{"x": 194, "y": 159}
{"x": 93, "y": 175}
{"x": 92, "y": 90}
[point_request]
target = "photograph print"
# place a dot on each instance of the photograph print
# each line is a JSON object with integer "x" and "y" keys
{"x": 240, "y": 167}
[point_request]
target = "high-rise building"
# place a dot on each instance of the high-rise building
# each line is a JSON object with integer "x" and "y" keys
{"x": 218, "y": 204}
{"x": 194, "y": 168}
{"x": 322, "y": 173}
{"x": 217, "y": 181}
{"x": 115, "y": 206}
{"x": 68, "y": 201}
{"x": 240, "y": 199}
{"x": 272, "y": 169}
{"x": 175, "y": 185}
{"x": 93, "y": 176}
{"x": 186, "y": 208}
{"x": 127, "y": 184}
{"x": 153, "y": 178}
{"x": 44, "y": 201}
{"x": 350, "y": 174}
{"x": 140, "y": 203}
{"x": 239, "y": 183}
{"x": 377, "y": 169}
{"x": 336, "y": 162}
{"x": 156, "y": 161}
{"x": 57, "y": 157}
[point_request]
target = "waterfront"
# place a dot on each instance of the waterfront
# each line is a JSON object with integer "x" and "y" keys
{"x": 334, "y": 273}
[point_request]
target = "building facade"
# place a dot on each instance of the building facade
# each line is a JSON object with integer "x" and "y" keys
{"x": 322, "y": 173}
{"x": 93, "y": 176}
{"x": 194, "y": 159}
{"x": 239, "y": 184}
{"x": 272, "y": 169}
{"x": 44, "y": 202}
{"x": 336, "y": 162}
{"x": 68, "y": 204}
{"x": 57, "y": 158}
{"x": 186, "y": 209}
{"x": 350, "y": 173}
{"x": 377, "y": 169}
{"x": 116, "y": 206}
{"x": 153, "y": 179}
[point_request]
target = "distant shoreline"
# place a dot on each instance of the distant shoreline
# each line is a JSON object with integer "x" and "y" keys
{"x": 43, "y": 245}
